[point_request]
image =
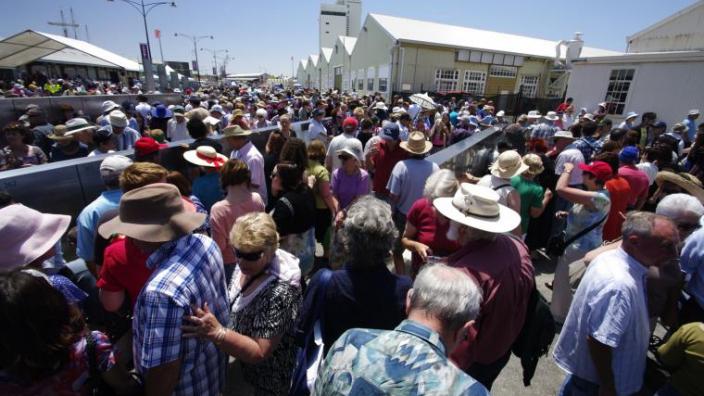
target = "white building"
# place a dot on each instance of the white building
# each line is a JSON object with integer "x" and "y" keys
{"x": 340, "y": 19}
{"x": 662, "y": 71}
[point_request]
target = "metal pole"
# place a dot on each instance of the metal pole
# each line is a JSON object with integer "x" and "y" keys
{"x": 195, "y": 50}
{"x": 146, "y": 31}
{"x": 215, "y": 62}
{"x": 148, "y": 72}
{"x": 161, "y": 51}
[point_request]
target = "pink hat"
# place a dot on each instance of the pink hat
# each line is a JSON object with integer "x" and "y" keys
{"x": 26, "y": 234}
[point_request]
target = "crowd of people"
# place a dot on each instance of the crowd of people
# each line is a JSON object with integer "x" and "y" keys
{"x": 284, "y": 268}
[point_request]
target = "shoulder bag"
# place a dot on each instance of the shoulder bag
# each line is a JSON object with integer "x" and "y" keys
{"x": 557, "y": 244}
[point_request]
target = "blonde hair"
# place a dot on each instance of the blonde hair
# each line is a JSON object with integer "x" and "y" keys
{"x": 255, "y": 232}
{"x": 141, "y": 174}
{"x": 358, "y": 112}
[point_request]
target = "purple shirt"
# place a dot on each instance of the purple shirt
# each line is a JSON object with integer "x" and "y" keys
{"x": 346, "y": 187}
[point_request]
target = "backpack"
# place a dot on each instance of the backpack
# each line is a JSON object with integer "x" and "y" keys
{"x": 536, "y": 336}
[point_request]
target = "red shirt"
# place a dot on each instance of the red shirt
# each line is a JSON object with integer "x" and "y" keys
{"x": 431, "y": 231}
{"x": 638, "y": 181}
{"x": 124, "y": 269}
{"x": 504, "y": 272}
{"x": 384, "y": 162}
{"x": 620, "y": 194}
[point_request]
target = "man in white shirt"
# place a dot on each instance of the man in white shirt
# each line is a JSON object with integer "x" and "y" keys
{"x": 345, "y": 139}
{"x": 316, "y": 129}
{"x": 124, "y": 135}
{"x": 143, "y": 107}
{"x": 243, "y": 150}
{"x": 568, "y": 153}
{"x": 603, "y": 344}
{"x": 176, "y": 128}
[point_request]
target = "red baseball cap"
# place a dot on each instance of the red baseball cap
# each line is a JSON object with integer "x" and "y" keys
{"x": 599, "y": 169}
{"x": 350, "y": 122}
{"x": 146, "y": 145}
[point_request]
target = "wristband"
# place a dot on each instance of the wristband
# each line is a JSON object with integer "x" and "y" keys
{"x": 220, "y": 335}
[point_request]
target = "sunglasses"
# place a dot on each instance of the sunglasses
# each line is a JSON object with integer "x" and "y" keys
{"x": 252, "y": 256}
{"x": 343, "y": 157}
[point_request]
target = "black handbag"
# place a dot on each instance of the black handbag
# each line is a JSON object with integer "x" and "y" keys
{"x": 557, "y": 244}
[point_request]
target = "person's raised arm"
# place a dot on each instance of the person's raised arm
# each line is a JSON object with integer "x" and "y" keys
{"x": 572, "y": 194}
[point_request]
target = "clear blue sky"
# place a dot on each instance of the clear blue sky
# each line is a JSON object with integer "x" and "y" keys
{"x": 263, "y": 35}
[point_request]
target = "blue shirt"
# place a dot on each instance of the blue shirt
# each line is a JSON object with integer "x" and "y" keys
{"x": 187, "y": 272}
{"x": 544, "y": 130}
{"x": 409, "y": 360}
{"x": 691, "y": 128}
{"x": 692, "y": 264}
{"x": 126, "y": 139}
{"x": 208, "y": 190}
{"x": 407, "y": 181}
{"x": 88, "y": 219}
{"x": 609, "y": 306}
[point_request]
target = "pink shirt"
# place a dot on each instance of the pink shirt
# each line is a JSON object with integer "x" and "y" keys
{"x": 637, "y": 179}
{"x": 223, "y": 215}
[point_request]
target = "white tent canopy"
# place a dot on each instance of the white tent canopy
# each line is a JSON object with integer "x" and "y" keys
{"x": 30, "y": 46}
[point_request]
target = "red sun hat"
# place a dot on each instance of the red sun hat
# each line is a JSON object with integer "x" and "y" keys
{"x": 599, "y": 169}
{"x": 146, "y": 145}
{"x": 350, "y": 122}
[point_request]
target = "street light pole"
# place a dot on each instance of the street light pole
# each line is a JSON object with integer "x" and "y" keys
{"x": 195, "y": 47}
{"x": 215, "y": 59}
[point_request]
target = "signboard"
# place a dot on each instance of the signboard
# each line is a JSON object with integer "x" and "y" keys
{"x": 180, "y": 67}
{"x": 144, "y": 50}
{"x": 194, "y": 65}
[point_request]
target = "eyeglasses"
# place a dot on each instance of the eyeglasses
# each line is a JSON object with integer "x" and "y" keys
{"x": 251, "y": 256}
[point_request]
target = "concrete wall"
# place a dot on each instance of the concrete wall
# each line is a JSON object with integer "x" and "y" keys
{"x": 669, "y": 89}
{"x": 684, "y": 32}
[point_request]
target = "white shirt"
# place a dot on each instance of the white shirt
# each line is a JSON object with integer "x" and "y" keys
{"x": 650, "y": 169}
{"x": 316, "y": 130}
{"x": 610, "y": 306}
{"x": 501, "y": 186}
{"x": 337, "y": 143}
{"x": 177, "y": 131}
{"x": 98, "y": 152}
{"x": 144, "y": 109}
{"x": 255, "y": 162}
{"x": 574, "y": 156}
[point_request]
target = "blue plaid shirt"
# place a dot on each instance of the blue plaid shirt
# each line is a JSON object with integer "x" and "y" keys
{"x": 543, "y": 130}
{"x": 187, "y": 272}
{"x": 589, "y": 146}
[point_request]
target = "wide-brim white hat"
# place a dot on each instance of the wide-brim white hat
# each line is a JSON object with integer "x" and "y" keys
{"x": 205, "y": 156}
{"x": 478, "y": 207}
{"x": 551, "y": 116}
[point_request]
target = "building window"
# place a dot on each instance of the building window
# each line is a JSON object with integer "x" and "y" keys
{"x": 383, "y": 84}
{"x": 529, "y": 86}
{"x": 370, "y": 84}
{"x": 503, "y": 71}
{"x": 617, "y": 92}
{"x": 360, "y": 84}
{"x": 446, "y": 80}
{"x": 474, "y": 82}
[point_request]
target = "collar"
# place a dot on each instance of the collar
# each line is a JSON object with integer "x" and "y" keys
{"x": 159, "y": 256}
{"x": 424, "y": 333}
{"x": 633, "y": 264}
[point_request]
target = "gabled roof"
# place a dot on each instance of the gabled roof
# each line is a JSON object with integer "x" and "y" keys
{"x": 327, "y": 53}
{"x": 348, "y": 42}
{"x": 667, "y": 20}
{"x": 303, "y": 63}
{"x": 30, "y": 46}
{"x": 313, "y": 59}
{"x": 424, "y": 32}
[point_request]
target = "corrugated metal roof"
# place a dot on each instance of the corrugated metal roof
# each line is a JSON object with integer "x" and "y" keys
{"x": 348, "y": 42}
{"x": 424, "y": 32}
{"x": 327, "y": 53}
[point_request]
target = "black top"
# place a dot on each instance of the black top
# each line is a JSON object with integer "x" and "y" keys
{"x": 294, "y": 212}
{"x": 206, "y": 142}
{"x": 270, "y": 162}
{"x": 367, "y": 298}
{"x": 58, "y": 155}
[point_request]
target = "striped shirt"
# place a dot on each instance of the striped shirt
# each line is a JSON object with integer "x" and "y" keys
{"x": 609, "y": 306}
{"x": 187, "y": 272}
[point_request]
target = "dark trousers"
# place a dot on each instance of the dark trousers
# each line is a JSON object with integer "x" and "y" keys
{"x": 486, "y": 374}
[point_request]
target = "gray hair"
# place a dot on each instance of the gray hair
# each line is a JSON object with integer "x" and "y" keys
{"x": 640, "y": 224}
{"x": 677, "y": 206}
{"x": 368, "y": 232}
{"x": 442, "y": 183}
{"x": 447, "y": 294}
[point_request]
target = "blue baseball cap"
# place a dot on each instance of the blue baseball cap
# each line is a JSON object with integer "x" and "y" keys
{"x": 390, "y": 131}
{"x": 628, "y": 155}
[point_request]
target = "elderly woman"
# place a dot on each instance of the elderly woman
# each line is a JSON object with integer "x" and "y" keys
{"x": 426, "y": 231}
{"x": 260, "y": 120}
{"x": 239, "y": 200}
{"x": 265, "y": 293}
{"x": 349, "y": 181}
{"x": 364, "y": 293}
{"x": 19, "y": 153}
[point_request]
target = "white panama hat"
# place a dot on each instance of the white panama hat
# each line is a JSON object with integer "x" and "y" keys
{"x": 478, "y": 207}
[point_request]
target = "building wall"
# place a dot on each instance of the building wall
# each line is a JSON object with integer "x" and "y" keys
{"x": 669, "y": 89}
{"x": 372, "y": 50}
{"x": 354, "y": 17}
{"x": 331, "y": 26}
{"x": 684, "y": 32}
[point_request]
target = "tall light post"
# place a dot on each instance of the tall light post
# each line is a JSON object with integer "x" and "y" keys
{"x": 215, "y": 59}
{"x": 144, "y": 9}
{"x": 195, "y": 40}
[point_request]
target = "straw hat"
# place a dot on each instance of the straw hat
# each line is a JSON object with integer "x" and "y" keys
{"x": 26, "y": 234}
{"x": 683, "y": 180}
{"x": 60, "y": 134}
{"x": 417, "y": 144}
{"x": 235, "y": 131}
{"x": 205, "y": 156}
{"x": 153, "y": 213}
{"x": 551, "y": 116}
{"x": 534, "y": 114}
{"x": 534, "y": 164}
{"x": 508, "y": 165}
{"x": 478, "y": 207}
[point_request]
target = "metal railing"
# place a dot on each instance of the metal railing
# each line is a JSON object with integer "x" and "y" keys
{"x": 469, "y": 155}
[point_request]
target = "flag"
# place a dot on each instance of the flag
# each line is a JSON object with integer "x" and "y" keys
{"x": 157, "y": 33}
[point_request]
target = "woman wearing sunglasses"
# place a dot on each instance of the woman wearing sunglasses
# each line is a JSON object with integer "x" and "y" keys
{"x": 265, "y": 293}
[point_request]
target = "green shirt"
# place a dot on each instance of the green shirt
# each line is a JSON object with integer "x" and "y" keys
{"x": 531, "y": 197}
{"x": 683, "y": 355}
{"x": 321, "y": 175}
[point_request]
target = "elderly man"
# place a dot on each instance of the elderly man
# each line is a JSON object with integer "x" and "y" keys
{"x": 500, "y": 264}
{"x": 345, "y": 139}
{"x": 177, "y": 127}
{"x": 188, "y": 271}
{"x": 412, "y": 358}
{"x": 316, "y": 129}
{"x": 243, "y": 149}
{"x": 604, "y": 341}
{"x": 87, "y": 223}
{"x": 125, "y": 136}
